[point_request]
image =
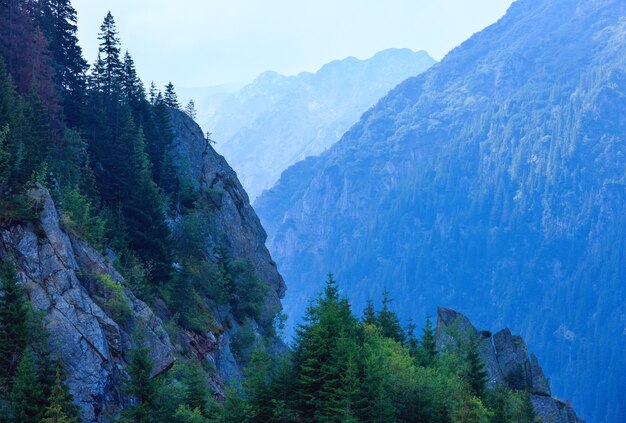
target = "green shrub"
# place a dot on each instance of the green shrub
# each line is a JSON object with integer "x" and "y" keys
{"x": 79, "y": 216}
{"x": 115, "y": 303}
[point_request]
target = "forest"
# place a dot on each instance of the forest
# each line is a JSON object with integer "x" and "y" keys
{"x": 101, "y": 143}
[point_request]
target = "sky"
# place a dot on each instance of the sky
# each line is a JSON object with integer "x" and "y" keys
{"x": 200, "y": 43}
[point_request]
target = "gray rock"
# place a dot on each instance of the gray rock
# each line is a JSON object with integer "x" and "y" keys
{"x": 92, "y": 346}
{"x": 235, "y": 221}
{"x": 507, "y": 363}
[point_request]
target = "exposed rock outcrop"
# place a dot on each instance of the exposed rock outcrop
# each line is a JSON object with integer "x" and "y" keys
{"x": 60, "y": 275}
{"x": 507, "y": 363}
{"x": 236, "y": 222}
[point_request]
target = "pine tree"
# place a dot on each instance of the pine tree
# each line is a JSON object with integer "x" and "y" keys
{"x": 170, "y": 98}
{"x": 140, "y": 385}
{"x": 132, "y": 87}
{"x": 26, "y": 396}
{"x": 191, "y": 109}
{"x": 196, "y": 391}
{"x": 60, "y": 408}
{"x": 388, "y": 321}
{"x": 58, "y": 21}
{"x": 476, "y": 374}
{"x": 14, "y": 321}
{"x": 369, "y": 313}
{"x": 110, "y": 55}
{"x": 152, "y": 93}
{"x": 428, "y": 344}
{"x": 256, "y": 385}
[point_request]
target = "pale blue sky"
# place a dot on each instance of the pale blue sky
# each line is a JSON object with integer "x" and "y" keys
{"x": 198, "y": 43}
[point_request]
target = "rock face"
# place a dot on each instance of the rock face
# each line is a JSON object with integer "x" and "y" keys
{"x": 278, "y": 120}
{"x": 235, "y": 222}
{"x": 507, "y": 364}
{"x": 53, "y": 267}
{"x": 494, "y": 181}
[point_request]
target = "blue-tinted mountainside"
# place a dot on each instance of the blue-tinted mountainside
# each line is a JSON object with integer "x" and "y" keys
{"x": 278, "y": 120}
{"x": 493, "y": 183}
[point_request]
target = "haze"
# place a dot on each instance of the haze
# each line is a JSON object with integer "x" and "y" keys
{"x": 198, "y": 43}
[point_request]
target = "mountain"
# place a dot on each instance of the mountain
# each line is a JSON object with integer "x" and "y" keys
{"x": 493, "y": 183}
{"x": 90, "y": 311}
{"x": 278, "y": 120}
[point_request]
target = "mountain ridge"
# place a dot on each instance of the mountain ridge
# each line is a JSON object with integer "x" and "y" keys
{"x": 493, "y": 180}
{"x": 276, "y": 120}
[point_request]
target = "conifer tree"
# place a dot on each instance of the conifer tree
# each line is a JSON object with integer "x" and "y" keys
{"x": 170, "y": 98}
{"x": 152, "y": 96}
{"x": 476, "y": 373}
{"x": 58, "y": 21}
{"x": 428, "y": 344}
{"x": 256, "y": 385}
{"x": 110, "y": 54}
{"x": 388, "y": 321}
{"x": 196, "y": 391}
{"x": 26, "y": 395}
{"x": 132, "y": 87}
{"x": 369, "y": 313}
{"x": 140, "y": 385}
{"x": 60, "y": 408}
{"x": 191, "y": 109}
{"x": 14, "y": 321}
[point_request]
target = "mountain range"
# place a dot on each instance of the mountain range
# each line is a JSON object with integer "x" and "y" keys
{"x": 277, "y": 120}
{"x": 493, "y": 183}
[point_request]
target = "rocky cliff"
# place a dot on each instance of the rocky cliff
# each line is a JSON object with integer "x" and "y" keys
{"x": 494, "y": 182}
{"x": 507, "y": 364}
{"x": 278, "y": 120}
{"x": 90, "y": 312}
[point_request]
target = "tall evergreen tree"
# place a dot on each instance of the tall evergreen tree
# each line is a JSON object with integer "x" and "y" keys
{"x": 140, "y": 386}
{"x": 196, "y": 391}
{"x": 191, "y": 109}
{"x": 170, "y": 98}
{"x": 26, "y": 396}
{"x": 476, "y": 374}
{"x": 369, "y": 313}
{"x": 14, "y": 321}
{"x": 388, "y": 321}
{"x": 58, "y": 21}
{"x": 110, "y": 53}
{"x": 132, "y": 87}
{"x": 60, "y": 408}
{"x": 428, "y": 344}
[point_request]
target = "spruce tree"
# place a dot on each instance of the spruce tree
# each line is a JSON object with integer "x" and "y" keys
{"x": 132, "y": 87}
{"x": 369, "y": 313}
{"x": 140, "y": 386}
{"x": 58, "y": 21}
{"x": 256, "y": 385}
{"x": 428, "y": 344}
{"x": 26, "y": 395}
{"x": 60, "y": 408}
{"x": 14, "y": 321}
{"x": 110, "y": 55}
{"x": 476, "y": 374}
{"x": 196, "y": 391}
{"x": 170, "y": 98}
{"x": 191, "y": 109}
{"x": 388, "y": 321}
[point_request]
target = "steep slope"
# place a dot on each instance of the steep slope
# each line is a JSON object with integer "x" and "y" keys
{"x": 90, "y": 311}
{"x": 277, "y": 120}
{"x": 494, "y": 182}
